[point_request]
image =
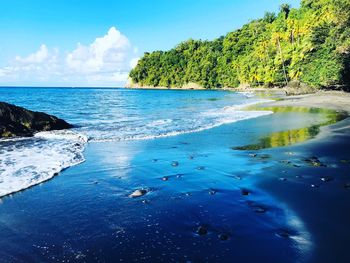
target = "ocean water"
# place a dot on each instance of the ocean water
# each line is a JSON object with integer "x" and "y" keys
{"x": 203, "y": 201}
{"x": 106, "y": 115}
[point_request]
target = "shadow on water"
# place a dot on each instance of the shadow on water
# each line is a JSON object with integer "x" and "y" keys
{"x": 289, "y": 137}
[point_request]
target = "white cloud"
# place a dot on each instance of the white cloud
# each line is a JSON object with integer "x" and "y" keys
{"x": 105, "y": 54}
{"x": 106, "y": 61}
{"x": 36, "y": 58}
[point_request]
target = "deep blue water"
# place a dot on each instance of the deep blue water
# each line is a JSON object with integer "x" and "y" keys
{"x": 176, "y": 145}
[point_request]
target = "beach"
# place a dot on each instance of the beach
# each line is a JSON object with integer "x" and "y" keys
{"x": 203, "y": 199}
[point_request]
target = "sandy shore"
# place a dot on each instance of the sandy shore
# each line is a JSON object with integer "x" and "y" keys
{"x": 335, "y": 100}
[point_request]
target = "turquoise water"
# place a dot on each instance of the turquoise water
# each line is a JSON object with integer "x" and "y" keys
{"x": 202, "y": 203}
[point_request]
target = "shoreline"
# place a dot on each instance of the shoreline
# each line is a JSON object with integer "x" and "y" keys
{"x": 334, "y": 100}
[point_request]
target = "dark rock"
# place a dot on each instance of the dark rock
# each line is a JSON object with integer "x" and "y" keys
{"x": 283, "y": 179}
{"x": 212, "y": 192}
{"x": 17, "y": 121}
{"x": 283, "y": 233}
{"x": 175, "y": 163}
{"x": 314, "y": 161}
{"x": 201, "y": 230}
{"x": 245, "y": 192}
{"x": 223, "y": 237}
{"x": 327, "y": 179}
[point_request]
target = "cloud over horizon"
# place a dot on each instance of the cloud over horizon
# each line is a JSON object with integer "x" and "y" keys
{"x": 104, "y": 62}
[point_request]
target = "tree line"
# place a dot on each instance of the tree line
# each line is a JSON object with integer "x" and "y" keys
{"x": 310, "y": 44}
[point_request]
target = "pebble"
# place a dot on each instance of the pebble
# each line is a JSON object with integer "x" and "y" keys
{"x": 138, "y": 193}
{"x": 283, "y": 233}
{"x": 283, "y": 179}
{"x": 212, "y": 192}
{"x": 202, "y": 230}
{"x": 223, "y": 237}
{"x": 259, "y": 209}
{"x": 326, "y": 179}
{"x": 245, "y": 192}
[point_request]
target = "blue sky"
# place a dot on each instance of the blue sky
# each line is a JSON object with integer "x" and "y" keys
{"x": 39, "y": 39}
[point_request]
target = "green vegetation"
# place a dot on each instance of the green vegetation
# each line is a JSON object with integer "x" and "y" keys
{"x": 309, "y": 45}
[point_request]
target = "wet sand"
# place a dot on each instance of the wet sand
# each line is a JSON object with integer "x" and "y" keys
{"x": 335, "y": 100}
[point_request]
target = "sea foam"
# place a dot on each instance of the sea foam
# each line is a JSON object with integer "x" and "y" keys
{"x": 27, "y": 162}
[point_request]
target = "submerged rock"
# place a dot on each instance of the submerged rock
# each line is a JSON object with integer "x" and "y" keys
{"x": 138, "y": 193}
{"x": 175, "y": 163}
{"x": 223, "y": 237}
{"x": 212, "y": 191}
{"x": 18, "y": 121}
{"x": 245, "y": 192}
{"x": 202, "y": 230}
{"x": 327, "y": 179}
{"x": 314, "y": 161}
{"x": 283, "y": 233}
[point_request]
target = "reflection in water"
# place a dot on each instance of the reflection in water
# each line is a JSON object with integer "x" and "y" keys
{"x": 289, "y": 137}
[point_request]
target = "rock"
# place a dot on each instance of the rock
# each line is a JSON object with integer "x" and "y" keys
{"x": 283, "y": 233}
{"x": 138, "y": 193}
{"x": 245, "y": 192}
{"x": 201, "y": 168}
{"x": 201, "y": 230}
{"x": 327, "y": 179}
{"x": 314, "y": 161}
{"x": 175, "y": 163}
{"x": 259, "y": 209}
{"x": 223, "y": 237}
{"x": 283, "y": 179}
{"x": 252, "y": 154}
{"x": 17, "y": 121}
{"x": 165, "y": 178}
{"x": 212, "y": 192}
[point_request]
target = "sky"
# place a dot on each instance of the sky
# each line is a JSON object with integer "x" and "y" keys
{"x": 71, "y": 43}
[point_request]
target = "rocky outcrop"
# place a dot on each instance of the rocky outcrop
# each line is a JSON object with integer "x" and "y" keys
{"x": 17, "y": 121}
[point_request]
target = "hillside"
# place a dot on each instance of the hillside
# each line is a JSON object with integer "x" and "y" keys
{"x": 310, "y": 44}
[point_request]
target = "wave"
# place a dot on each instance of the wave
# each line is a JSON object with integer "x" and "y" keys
{"x": 31, "y": 161}
{"x": 25, "y": 162}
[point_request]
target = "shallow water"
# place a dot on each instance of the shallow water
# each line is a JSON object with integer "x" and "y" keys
{"x": 202, "y": 202}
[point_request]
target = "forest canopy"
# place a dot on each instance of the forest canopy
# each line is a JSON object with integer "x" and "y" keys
{"x": 310, "y": 44}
